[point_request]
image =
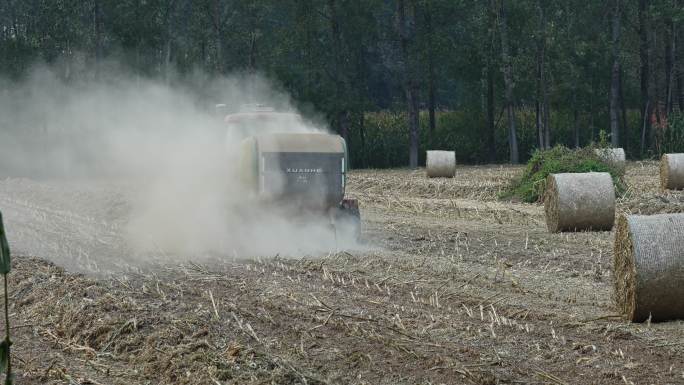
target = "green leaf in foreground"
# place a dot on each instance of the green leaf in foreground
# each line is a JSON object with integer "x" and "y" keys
{"x": 5, "y": 363}
{"x": 5, "y": 260}
{"x": 4, "y": 356}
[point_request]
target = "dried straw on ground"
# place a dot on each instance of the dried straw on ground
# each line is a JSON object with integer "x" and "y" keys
{"x": 614, "y": 156}
{"x": 441, "y": 164}
{"x": 672, "y": 172}
{"x": 579, "y": 201}
{"x": 649, "y": 266}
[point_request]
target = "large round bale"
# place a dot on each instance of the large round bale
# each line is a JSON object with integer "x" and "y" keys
{"x": 613, "y": 156}
{"x": 672, "y": 171}
{"x": 649, "y": 266}
{"x": 579, "y": 201}
{"x": 441, "y": 164}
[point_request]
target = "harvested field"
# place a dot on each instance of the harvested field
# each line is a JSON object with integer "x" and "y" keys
{"x": 455, "y": 287}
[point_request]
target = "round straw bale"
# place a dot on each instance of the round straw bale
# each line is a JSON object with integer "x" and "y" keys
{"x": 649, "y": 266}
{"x": 613, "y": 156}
{"x": 579, "y": 201}
{"x": 672, "y": 171}
{"x": 441, "y": 164}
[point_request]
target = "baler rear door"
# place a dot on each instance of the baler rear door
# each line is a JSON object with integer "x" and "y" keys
{"x": 310, "y": 179}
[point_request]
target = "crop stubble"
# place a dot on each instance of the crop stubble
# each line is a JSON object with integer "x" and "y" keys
{"x": 458, "y": 288}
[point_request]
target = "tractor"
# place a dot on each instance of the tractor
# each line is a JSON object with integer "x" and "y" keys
{"x": 282, "y": 162}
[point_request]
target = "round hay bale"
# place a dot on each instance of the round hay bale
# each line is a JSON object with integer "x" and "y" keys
{"x": 672, "y": 172}
{"x": 579, "y": 201}
{"x": 649, "y": 266}
{"x": 441, "y": 164}
{"x": 613, "y": 156}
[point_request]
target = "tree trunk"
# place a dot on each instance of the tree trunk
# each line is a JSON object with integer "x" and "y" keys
{"x": 253, "y": 52}
{"x": 678, "y": 57}
{"x": 543, "y": 116}
{"x": 342, "y": 118}
{"x": 547, "y": 115}
{"x": 575, "y": 117}
{"x": 97, "y": 20}
{"x": 592, "y": 129}
{"x": 491, "y": 125}
{"x": 203, "y": 51}
{"x": 412, "y": 97}
{"x": 670, "y": 60}
{"x": 679, "y": 67}
{"x": 218, "y": 36}
{"x": 539, "y": 120}
{"x": 656, "y": 109}
{"x": 679, "y": 83}
{"x": 680, "y": 88}
{"x": 538, "y": 109}
{"x": 431, "y": 75}
{"x": 137, "y": 62}
{"x": 644, "y": 74}
{"x": 432, "y": 100}
{"x": 167, "y": 61}
{"x": 508, "y": 83}
{"x": 362, "y": 134}
{"x": 411, "y": 84}
{"x": 645, "y": 123}
{"x": 13, "y": 24}
{"x": 615, "y": 78}
{"x": 169, "y": 20}
{"x": 623, "y": 110}
{"x": 67, "y": 61}
{"x": 491, "y": 143}
{"x": 344, "y": 123}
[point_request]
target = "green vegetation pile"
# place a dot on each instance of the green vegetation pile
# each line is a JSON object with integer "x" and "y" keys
{"x": 530, "y": 186}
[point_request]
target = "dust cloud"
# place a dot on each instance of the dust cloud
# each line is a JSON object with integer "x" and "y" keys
{"x": 123, "y": 169}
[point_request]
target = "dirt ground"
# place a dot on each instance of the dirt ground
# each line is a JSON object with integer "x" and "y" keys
{"x": 455, "y": 287}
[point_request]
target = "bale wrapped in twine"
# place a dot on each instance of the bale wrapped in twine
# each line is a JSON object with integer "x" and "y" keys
{"x": 649, "y": 266}
{"x": 672, "y": 171}
{"x": 613, "y": 156}
{"x": 579, "y": 201}
{"x": 441, "y": 164}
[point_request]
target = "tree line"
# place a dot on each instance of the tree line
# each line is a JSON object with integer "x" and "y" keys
{"x": 532, "y": 73}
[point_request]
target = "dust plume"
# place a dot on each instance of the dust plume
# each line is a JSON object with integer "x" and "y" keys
{"x": 124, "y": 168}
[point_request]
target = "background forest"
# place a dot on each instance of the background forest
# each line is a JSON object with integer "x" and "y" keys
{"x": 491, "y": 79}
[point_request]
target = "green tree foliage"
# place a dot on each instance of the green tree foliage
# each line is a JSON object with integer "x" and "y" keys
{"x": 347, "y": 59}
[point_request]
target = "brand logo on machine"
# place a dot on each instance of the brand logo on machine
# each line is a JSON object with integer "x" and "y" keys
{"x": 304, "y": 170}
